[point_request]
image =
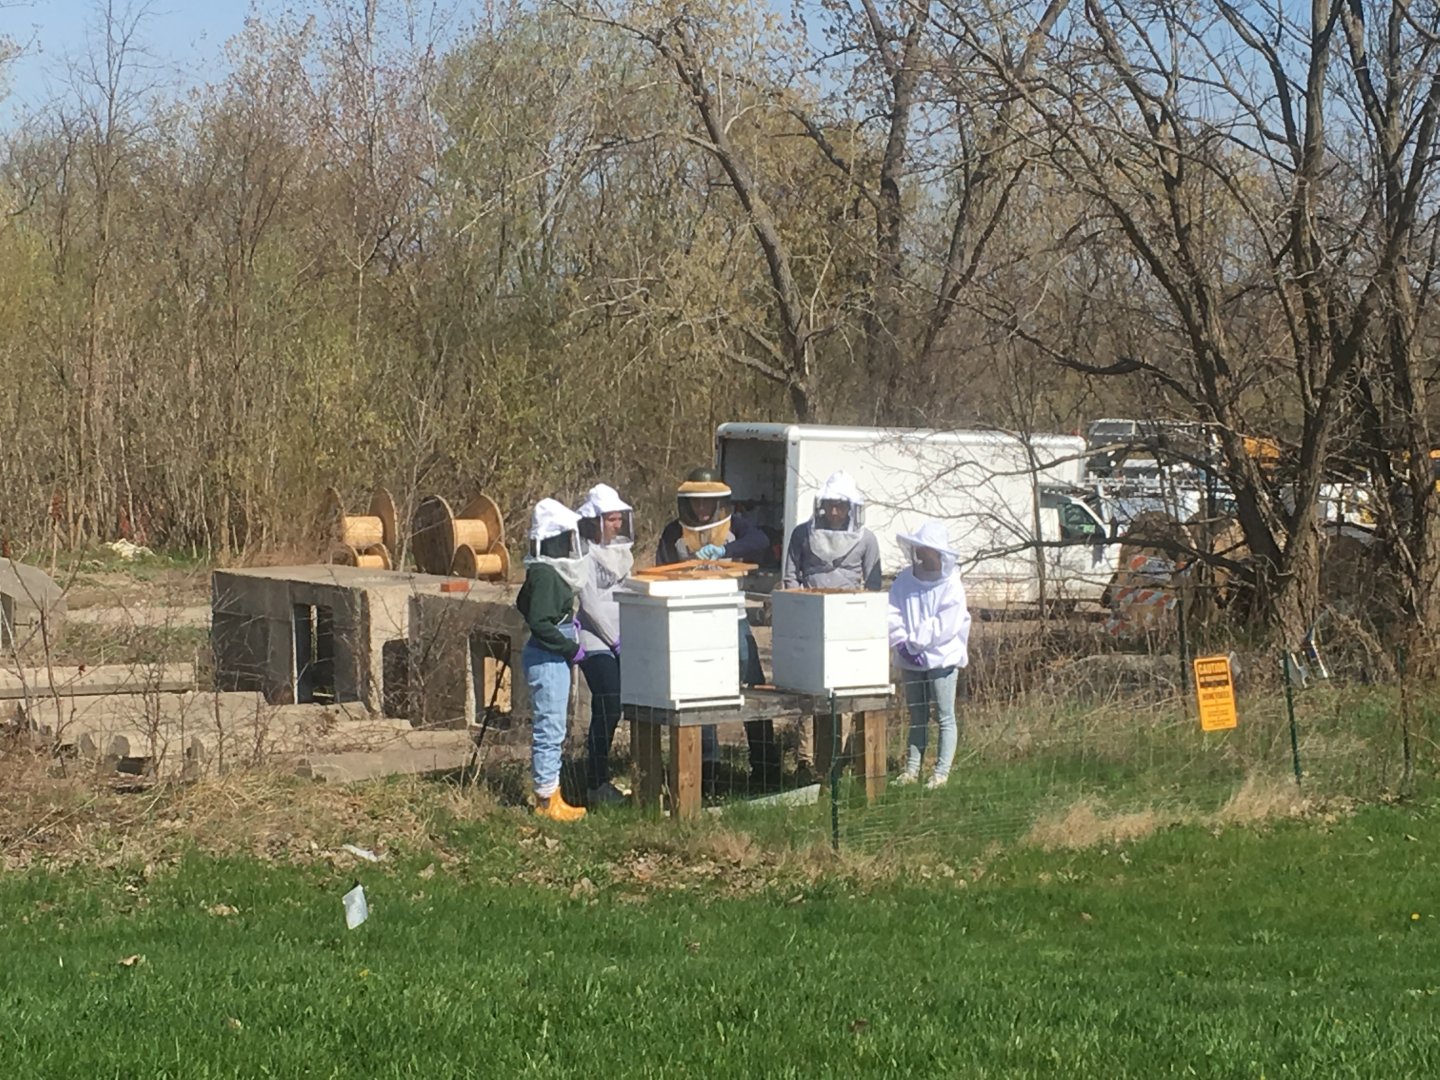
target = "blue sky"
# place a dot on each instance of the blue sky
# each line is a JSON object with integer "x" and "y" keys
{"x": 186, "y": 39}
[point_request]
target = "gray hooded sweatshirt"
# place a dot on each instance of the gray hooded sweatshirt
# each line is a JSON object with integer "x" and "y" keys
{"x": 819, "y": 558}
{"x": 856, "y": 568}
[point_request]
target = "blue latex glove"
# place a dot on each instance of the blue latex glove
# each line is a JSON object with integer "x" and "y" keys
{"x": 615, "y": 648}
{"x": 911, "y": 657}
{"x": 710, "y": 552}
{"x": 579, "y": 655}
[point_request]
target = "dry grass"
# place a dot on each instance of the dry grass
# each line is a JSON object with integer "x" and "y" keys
{"x": 1085, "y": 823}
{"x": 1261, "y": 799}
{"x": 58, "y": 815}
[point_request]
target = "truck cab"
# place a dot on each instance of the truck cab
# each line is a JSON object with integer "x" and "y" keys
{"x": 1080, "y": 558}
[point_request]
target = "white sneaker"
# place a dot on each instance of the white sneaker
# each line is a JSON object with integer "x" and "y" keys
{"x": 607, "y": 794}
{"x": 908, "y": 777}
{"x": 936, "y": 781}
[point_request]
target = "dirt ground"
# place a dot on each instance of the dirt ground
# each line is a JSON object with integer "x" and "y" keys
{"x": 170, "y": 588}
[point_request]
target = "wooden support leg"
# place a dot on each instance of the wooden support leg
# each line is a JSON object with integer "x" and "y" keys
{"x": 870, "y": 737}
{"x": 685, "y": 772}
{"x": 645, "y": 752}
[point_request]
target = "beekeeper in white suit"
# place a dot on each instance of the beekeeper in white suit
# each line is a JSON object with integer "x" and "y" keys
{"x": 833, "y": 550}
{"x": 607, "y": 536}
{"x": 930, "y": 635}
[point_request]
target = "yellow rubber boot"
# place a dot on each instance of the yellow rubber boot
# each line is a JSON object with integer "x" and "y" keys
{"x": 557, "y": 809}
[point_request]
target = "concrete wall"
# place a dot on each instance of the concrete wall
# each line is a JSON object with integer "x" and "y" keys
{"x": 253, "y": 630}
{"x": 453, "y": 679}
{"x": 27, "y": 594}
{"x": 401, "y": 647}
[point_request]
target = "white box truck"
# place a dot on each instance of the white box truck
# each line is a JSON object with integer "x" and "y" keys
{"x": 1014, "y": 505}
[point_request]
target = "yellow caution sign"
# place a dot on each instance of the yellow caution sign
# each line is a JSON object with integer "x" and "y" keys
{"x": 1215, "y": 693}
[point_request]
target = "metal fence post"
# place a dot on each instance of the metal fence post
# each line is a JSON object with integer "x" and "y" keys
{"x": 1407, "y": 775}
{"x": 1285, "y": 664}
{"x": 837, "y": 759}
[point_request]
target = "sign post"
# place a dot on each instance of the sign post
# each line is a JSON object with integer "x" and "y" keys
{"x": 1215, "y": 693}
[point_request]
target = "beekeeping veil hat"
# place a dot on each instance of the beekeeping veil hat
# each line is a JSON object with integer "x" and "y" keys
{"x": 832, "y": 545}
{"x": 933, "y": 535}
{"x": 704, "y": 485}
{"x": 839, "y": 487}
{"x": 602, "y": 499}
{"x": 554, "y": 539}
{"x": 612, "y": 559}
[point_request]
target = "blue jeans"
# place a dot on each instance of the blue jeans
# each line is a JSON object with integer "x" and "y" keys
{"x": 602, "y": 675}
{"x": 922, "y": 688}
{"x": 547, "y": 675}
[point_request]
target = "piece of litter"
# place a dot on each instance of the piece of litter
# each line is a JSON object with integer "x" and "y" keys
{"x": 361, "y": 853}
{"x": 222, "y": 910}
{"x": 128, "y": 551}
{"x": 356, "y": 910}
{"x": 132, "y": 961}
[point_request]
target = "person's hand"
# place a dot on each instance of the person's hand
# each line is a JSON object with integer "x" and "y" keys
{"x": 710, "y": 552}
{"x": 579, "y": 655}
{"x": 615, "y": 648}
{"x": 910, "y": 656}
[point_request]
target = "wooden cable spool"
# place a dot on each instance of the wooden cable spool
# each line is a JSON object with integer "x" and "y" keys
{"x": 438, "y": 534}
{"x": 359, "y": 531}
{"x": 374, "y": 557}
{"x": 494, "y": 565}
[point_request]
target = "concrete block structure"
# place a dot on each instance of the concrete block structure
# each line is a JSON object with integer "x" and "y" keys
{"x": 26, "y": 595}
{"x": 465, "y": 655}
{"x": 389, "y": 640}
{"x": 325, "y": 634}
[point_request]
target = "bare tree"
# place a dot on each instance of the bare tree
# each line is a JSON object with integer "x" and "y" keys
{"x": 1209, "y": 147}
{"x": 1394, "y": 54}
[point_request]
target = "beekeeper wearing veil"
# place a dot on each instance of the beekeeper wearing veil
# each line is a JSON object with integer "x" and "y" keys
{"x": 833, "y": 550}
{"x": 555, "y": 572}
{"x": 607, "y": 535}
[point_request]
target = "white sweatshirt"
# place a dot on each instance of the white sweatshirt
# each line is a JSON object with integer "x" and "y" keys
{"x": 930, "y": 618}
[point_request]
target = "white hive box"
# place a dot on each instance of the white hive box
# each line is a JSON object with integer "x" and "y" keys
{"x": 680, "y": 644}
{"x": 828, "y": 641}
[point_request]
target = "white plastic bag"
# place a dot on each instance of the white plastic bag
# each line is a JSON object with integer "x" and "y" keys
{"x": 356, "y": 910}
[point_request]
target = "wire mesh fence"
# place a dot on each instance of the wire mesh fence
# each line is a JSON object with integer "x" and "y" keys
{"x": 1102, "y": 743}
{"x": 1066, "y": 736}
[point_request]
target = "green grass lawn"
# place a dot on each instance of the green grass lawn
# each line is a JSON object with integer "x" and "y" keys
{"x": 1291, "y": 950}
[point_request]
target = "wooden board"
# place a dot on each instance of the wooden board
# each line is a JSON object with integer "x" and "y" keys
{"x": 685, "y": 772}
{"x": 870, "y": 739}
{"x": 695, "y": 568}
{"x": 649, "y": 765}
